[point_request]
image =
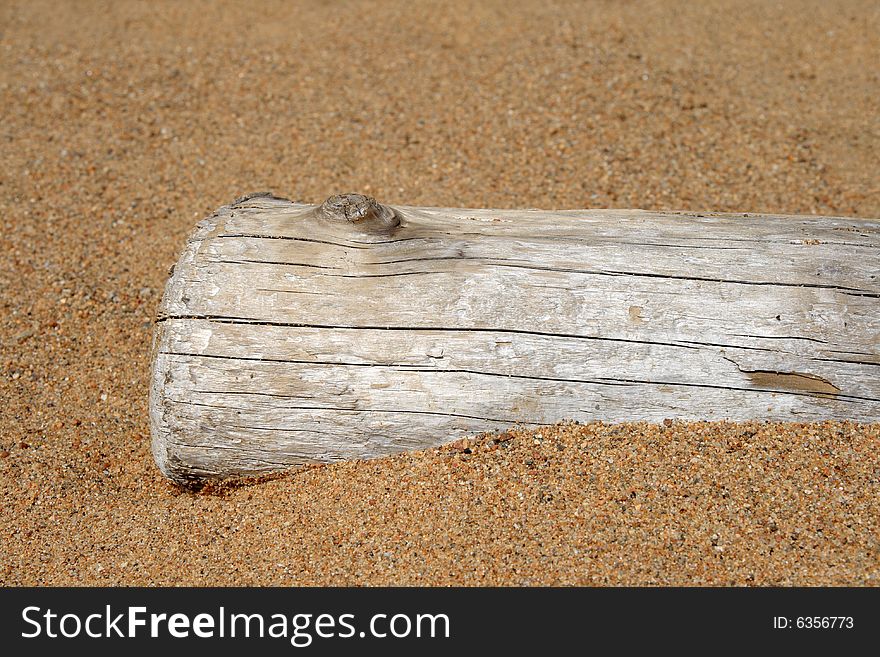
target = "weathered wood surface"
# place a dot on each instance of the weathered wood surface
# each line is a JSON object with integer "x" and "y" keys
{"x": 291, "y": 334}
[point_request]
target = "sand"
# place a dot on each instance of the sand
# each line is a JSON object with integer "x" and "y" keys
{"x": 124, "y": 123}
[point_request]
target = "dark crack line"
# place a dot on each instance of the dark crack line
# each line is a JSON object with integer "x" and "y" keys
{"x": 508, "y": 421}
{"x": 354, "y": 244}
{"x": 602, "y": 382}
{"x": 849, "y": 362}
{"x": 683, "y": 344}
{"x": 494, "y": 262}
{"x": 837, "y": 288}
{"x": 608, "y": 240}
{"x": 400, "y": 368}
{"x": 779, "y": 337}
{"x": 272, "y": 262}
{"x": 222, "y": 319}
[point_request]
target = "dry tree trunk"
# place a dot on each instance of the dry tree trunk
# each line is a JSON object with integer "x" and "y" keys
{"x": 292, "y": 333}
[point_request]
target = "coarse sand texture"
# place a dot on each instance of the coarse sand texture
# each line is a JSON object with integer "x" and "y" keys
{"x": 124, "y": 123}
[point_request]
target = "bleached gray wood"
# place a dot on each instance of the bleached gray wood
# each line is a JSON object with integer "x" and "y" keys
{"x": 289, "y": 334}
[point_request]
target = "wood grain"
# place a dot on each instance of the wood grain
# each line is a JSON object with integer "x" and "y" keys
{"x": 293, "y": 333}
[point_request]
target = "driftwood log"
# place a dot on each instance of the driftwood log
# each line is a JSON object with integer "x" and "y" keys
{"x": 293, "y": 333}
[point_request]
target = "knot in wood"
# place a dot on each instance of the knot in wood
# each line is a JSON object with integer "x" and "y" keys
{"x": 359, "y": 209}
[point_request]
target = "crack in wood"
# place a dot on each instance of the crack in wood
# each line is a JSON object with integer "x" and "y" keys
{"x": 224, "y": 319}
{"x": 851, "y": 291}
{"x": 766, "y": 380}
{"x": 851, "y": 362}
{"x": 780, "y": 337}
{"x": 506, "y": 421}
{"x": 351, "y": 245}
{"x": 609, "y": 240}
{"x": 401, "y": 368}
{"x": 500, "y": 262}
{"x": 794, "y": 382}
{"x": 281, "y": 264}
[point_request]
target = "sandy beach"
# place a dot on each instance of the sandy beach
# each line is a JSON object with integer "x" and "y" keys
{"x": 124, "y": 123}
